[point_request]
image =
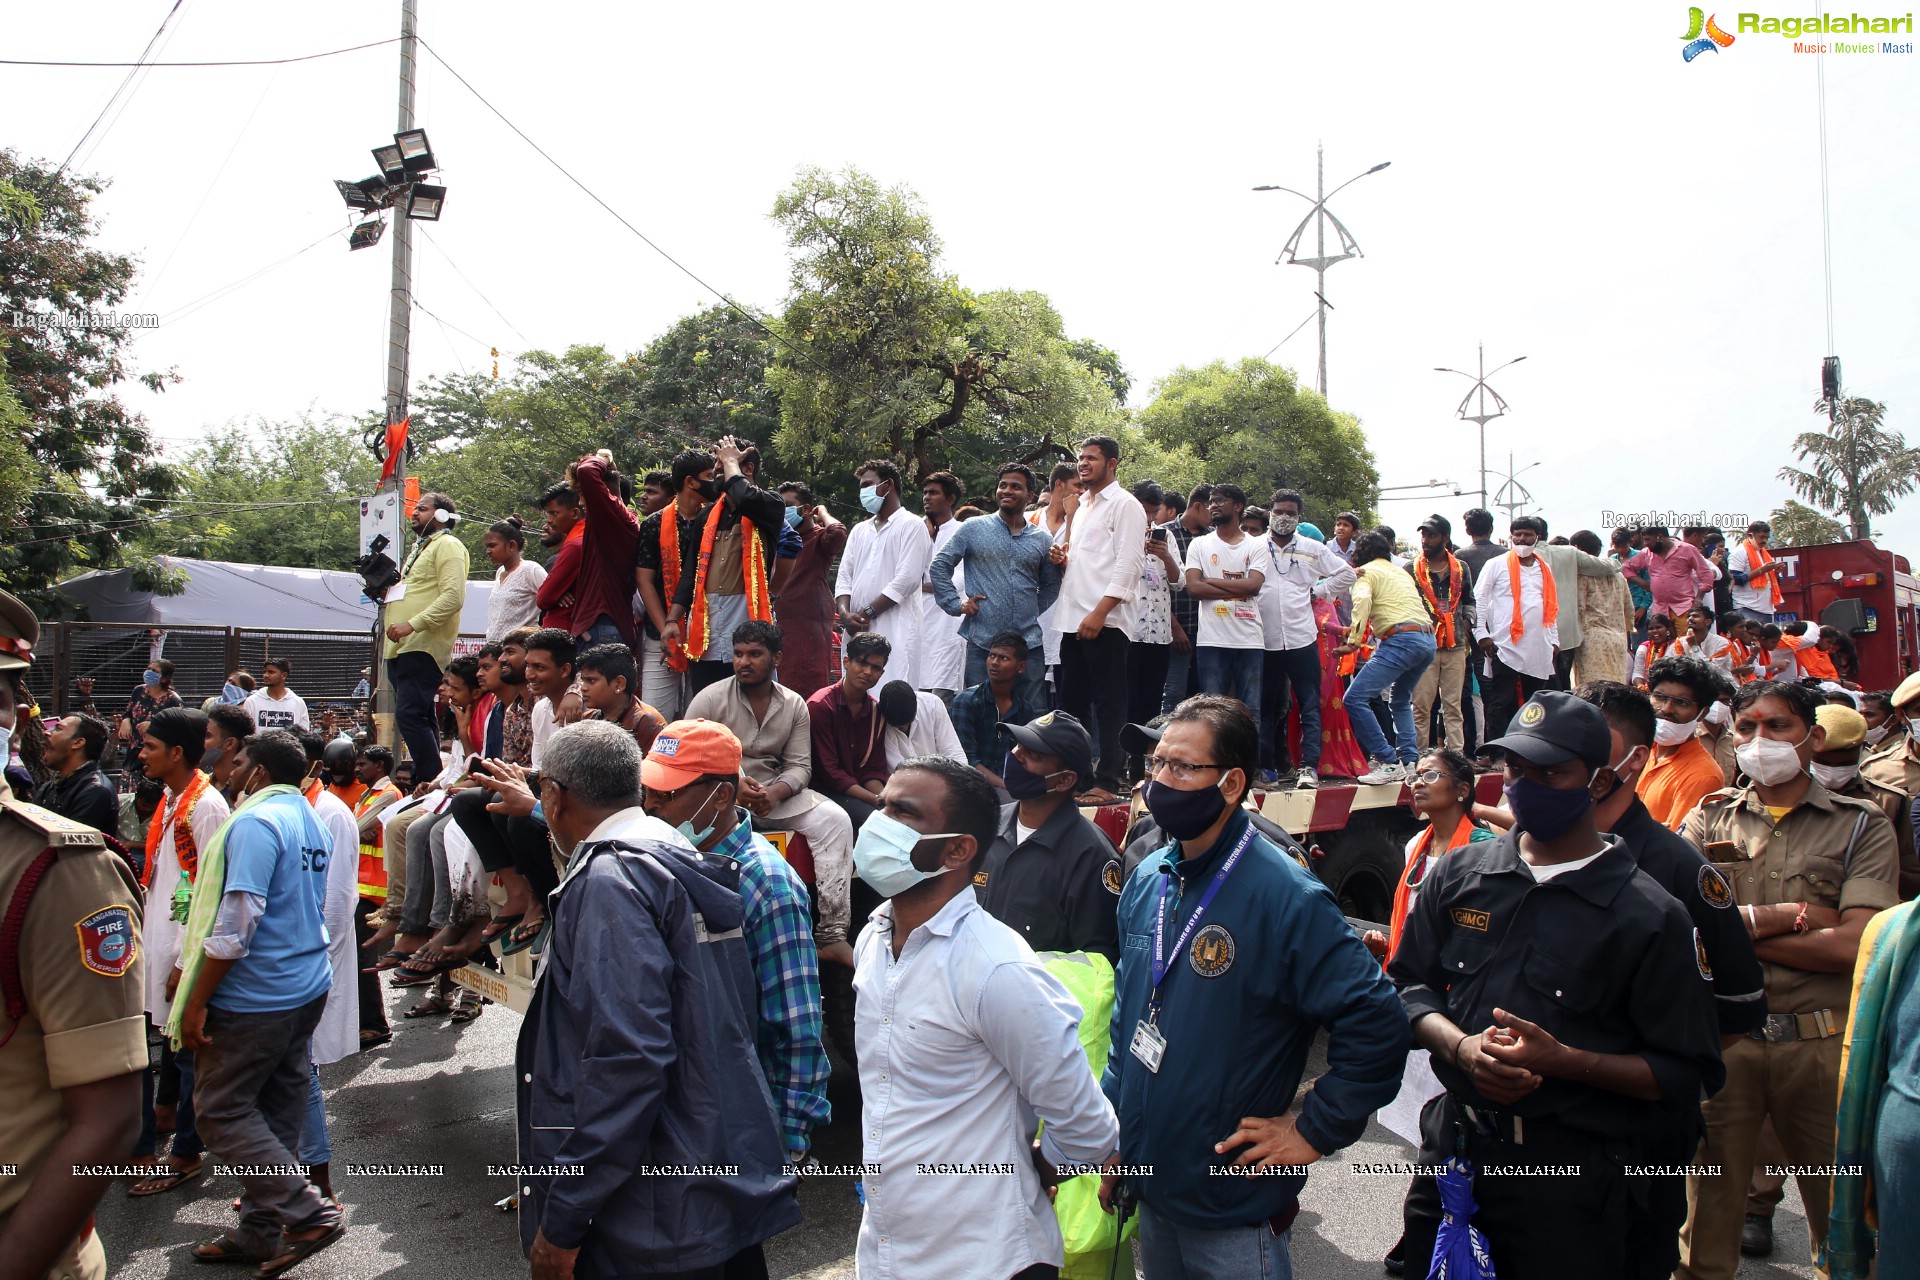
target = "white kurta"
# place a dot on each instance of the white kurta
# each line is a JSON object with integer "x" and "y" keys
{"x": 889, "y": 560}
{"x": 1533, "y": 654}
{"x": 160, "y": 935}
{"x": 338, "y": 1034}
{"x": 930, "y": 734}
{"x": 943, "y": 653}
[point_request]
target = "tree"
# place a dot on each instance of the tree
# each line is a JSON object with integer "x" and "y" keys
{"x": 1795, "y": 525}
{"x": 706, "y": 377}
{"x": 95, "y": 464}
{"x": 884, "y": 353}
{"x": 1252, "y": 423}
{"x": 1856, "y": 468}
{"x": 273, "y": 493}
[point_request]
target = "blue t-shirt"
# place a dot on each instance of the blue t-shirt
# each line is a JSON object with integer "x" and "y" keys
{"x": 279, "y": 850}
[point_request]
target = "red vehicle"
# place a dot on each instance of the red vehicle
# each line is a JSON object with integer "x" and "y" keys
{"x": 1863, "y": 592}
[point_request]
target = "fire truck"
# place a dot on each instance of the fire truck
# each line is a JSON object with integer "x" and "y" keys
{"x": 1865, "y": 593}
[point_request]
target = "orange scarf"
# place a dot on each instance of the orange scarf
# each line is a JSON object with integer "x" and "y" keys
{"x": 1443, "y": 634}
{"x": 1757, "y": 558}
{"x": 753, "y": 573}
{"x": 1741, "y": 656}
{"x": 1403, "y": 892}
{"x": 1813, "y": 662}
{"x": 184, "y": 847}
{"x": 1549, "y": 597}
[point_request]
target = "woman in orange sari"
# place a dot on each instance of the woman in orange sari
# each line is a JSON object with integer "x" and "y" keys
{"x": 1340, "y": 754}
{"x": 1442, "y": 794}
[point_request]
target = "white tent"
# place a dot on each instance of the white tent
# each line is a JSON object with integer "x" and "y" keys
{"x": 219, "y": 594}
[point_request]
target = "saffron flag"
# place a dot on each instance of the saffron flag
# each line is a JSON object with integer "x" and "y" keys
{"x": 396, "y": 441}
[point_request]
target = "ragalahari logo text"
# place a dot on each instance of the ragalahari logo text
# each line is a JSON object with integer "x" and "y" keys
{"x": 1703, "y": 35}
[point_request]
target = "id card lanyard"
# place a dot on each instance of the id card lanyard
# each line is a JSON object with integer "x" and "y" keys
{"x": 1149, "y": 1043}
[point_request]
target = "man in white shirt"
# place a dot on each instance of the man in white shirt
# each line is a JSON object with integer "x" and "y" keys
{"x": 273, "y": 705}
{"x": 917, "y": 724}
{"x": 1519, "y": 637}
{"x": 1223, "y": 576}
{"x": 1755, "y": 574}
{"x": 943, "y": 653}
{"x": 1102, "y": 550}
{"x": 965, "y": 1043}
{"x": 878, "y": 586}
{"x": 1292, "y": 565}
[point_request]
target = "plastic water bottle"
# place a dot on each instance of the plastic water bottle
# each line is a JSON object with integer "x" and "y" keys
{"x": 182, "y": 898}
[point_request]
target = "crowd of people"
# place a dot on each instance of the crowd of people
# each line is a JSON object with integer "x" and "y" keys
{"x": 830, "y": 786}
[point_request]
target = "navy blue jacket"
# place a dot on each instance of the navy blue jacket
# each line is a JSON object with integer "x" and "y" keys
{"x": 636, "y": 1060}
{"x": 1283, "y": 963}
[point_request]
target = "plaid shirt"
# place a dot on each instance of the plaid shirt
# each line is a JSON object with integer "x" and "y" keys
{"x": 1186, "y": 610}
{"x": 974, "y": 714}
{"x": 787, "y": 970}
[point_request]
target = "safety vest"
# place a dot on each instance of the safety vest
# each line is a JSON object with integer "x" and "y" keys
{"x": 373, "y": 856}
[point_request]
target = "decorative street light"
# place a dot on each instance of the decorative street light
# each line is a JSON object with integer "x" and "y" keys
{"x": 1482, "y": 418}
{"x": 1319, "y": 215}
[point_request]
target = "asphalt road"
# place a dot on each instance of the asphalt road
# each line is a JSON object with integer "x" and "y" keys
{"x": 443, "y": 1095}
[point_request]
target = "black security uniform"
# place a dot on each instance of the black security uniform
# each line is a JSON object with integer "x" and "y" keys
{"x": 84, "y": 796}
{"x": 1058, "y": 889}
{"x": 1604, "y": 959}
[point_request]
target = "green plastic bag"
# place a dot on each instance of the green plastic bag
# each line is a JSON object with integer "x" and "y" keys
{"x": 1087, "y": 1228}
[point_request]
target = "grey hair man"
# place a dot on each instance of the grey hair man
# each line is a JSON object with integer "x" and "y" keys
{"x": 686, "y": 1089}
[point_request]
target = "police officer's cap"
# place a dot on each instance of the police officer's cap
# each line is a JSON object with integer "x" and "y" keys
{"x": 1055, "y": 734}
{"x": 1553, "y": 727}
{"x": 19, "y": 632}
{"x": 1908, "y": 693}
{"x": 1845, "y": 727}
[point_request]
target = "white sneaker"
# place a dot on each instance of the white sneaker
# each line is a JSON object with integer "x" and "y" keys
{"x": 1307, "y": 779}
{"x": 1383, "y": 771}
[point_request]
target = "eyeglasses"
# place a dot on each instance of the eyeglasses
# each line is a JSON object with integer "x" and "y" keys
{"x": 1679, "y": 704}
{"x": 1178, "y": 770}
{"x": 1429, "y": 776}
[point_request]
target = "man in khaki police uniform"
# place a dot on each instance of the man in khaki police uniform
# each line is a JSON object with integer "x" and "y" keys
{"x": 73, "y": 1043}
{"x": 1808, "y": 869}
{"x": 1897, "y": 766}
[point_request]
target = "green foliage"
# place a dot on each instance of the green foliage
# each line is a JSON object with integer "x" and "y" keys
{"x": 282, "y": 493}
{"x": 20, "y": 473}
{"x": 1253, "y": 424}
{"x": 89, "y": 455}
{"x": 887, "y": 354}
{"x": 1856, "y": 467}
{"x": 1795, "y": 525}
{"x": 706, "y": 377}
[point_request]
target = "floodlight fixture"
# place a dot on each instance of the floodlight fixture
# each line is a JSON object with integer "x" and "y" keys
{"x": 424, "y": 202}
{"x": 392, "y": 166}
{"x": 367, "y": 234}
{"x": 415, "y": 152}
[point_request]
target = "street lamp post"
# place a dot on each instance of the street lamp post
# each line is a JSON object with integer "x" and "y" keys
{"x": 1481, "y": 418}
{"x": 1513, "y": 495}
{"x": 1319, "y": 215}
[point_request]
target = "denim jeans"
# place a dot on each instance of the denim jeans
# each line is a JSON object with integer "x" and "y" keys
{"x": 603, "y": 631}
{"x": 1397, "y": 664}
{"x": 186, "y": 1139}
{"x": 1169, "y": 1251}
{"x": 1232, "y": 673}
{"x": 315, "y": 1146}
{"x": 1179, "y": 678}
{"x": 1295, "y": 672}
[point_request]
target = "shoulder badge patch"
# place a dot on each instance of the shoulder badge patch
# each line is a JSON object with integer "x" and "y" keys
{"x": 1700, "y": 957}
{"x": 107, "y": 944}
{"x": 1110, "y": 876}
{"x": 1470, "y": 918}
{"x": 1212, "y": 952}
{"x": 979, "y": 879}
{"x": 1714, "y": 889}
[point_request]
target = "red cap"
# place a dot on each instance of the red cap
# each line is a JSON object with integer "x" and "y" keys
{"x": 689, "y": 749}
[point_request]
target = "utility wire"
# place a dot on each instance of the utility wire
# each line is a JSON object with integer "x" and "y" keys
{"x": 1297, "y": 328}
{"x": 184, "y": 310}
{"x": 241, "y": 62}
{"x": 471, "y": 285}
{"x": 1826, "y": 220}
{"x": 122, "y": 88}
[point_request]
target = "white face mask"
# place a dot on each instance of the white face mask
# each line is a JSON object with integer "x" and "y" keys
{"x": 1769, "y": 761}
{"x": 1524, "y": 550}
{"x": 1878, "y": 734}
{"x": 1834, "y": 776}
{"x": 1670, "y": 734}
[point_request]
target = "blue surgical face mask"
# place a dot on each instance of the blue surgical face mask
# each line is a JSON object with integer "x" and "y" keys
{"x": 870, "y": 499}
{"x": 698, "y": 838}
{"x": 883, "y": 855}
{"x": 149, "y": 678}
{"x": 792, "y": 517}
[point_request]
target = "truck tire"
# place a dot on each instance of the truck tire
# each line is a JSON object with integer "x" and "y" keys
{"x": 1364, "y": 860}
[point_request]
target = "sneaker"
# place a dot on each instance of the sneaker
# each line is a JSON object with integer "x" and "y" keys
{"x": 1756, "y": 1236}
{"x": 1269, "y": 779}
{"x": 1308, "y": 779}
{"x": 1383, "y": 771}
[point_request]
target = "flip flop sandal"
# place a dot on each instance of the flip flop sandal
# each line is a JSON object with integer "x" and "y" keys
{"x": 408, "y": 976}
{"x": 224, "y": 1249}
{"x": 467, "y": 1007}
{"x": 433, "y": 1006}
{"x": 297, "y": 1252}
{"x": 397, "y": 958}
{"x": 375, "y": 1040}
{"x": 500, "y": 925}
{"x": 165, "y": 1179}
{"x": 524, "y": 936}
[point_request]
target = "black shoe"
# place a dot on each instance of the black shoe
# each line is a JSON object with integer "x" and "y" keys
{"x": 1756, "y": 1236}
{"x": 1396, "y": 1260}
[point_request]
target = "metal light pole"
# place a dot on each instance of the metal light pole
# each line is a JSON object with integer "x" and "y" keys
{"x": 1513, "y": 495}
{"x": 1482, "y": 418}
{"x": 1319, "y": 215}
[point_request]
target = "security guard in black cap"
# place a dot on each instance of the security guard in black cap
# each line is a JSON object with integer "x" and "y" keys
{"x": 1051, "y": 876}
{"x": 1566, "y": 1003}
{"x": 73, "y": 1043}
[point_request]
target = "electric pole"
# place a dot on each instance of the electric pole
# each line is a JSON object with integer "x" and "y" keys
{"x": 1481, "y": 418}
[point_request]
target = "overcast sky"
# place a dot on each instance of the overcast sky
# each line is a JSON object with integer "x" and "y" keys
{"x": 1563, "y": 186}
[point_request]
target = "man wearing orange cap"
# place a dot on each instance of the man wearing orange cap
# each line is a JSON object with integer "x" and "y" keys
{"x": 692, "y": 781}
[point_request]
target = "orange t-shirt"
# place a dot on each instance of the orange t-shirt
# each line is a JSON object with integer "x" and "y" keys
{"x": 1676, "y": 779}
{"x": 1812, "y": 662}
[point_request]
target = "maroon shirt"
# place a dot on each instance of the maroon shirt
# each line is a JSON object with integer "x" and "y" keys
{"x": 604, "y": 586}
{"x": 849, "y": 744}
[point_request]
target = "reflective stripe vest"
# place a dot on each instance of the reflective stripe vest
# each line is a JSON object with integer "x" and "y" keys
{"x": 373, "y": 857}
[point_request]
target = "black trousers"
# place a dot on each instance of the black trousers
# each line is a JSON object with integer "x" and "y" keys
{"x": 1146, "y": 681}
{"x": 373, "y": 1003}
{"x": 1502, "y": 692}
{"x": 1093, "y": 688}
{"x": 703, "y": 673}
{"x": 504, "y": 842}
{"x": 416, "y": 680}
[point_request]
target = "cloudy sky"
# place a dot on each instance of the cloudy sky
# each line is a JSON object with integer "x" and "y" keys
{"x": 1564, "y": 186}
